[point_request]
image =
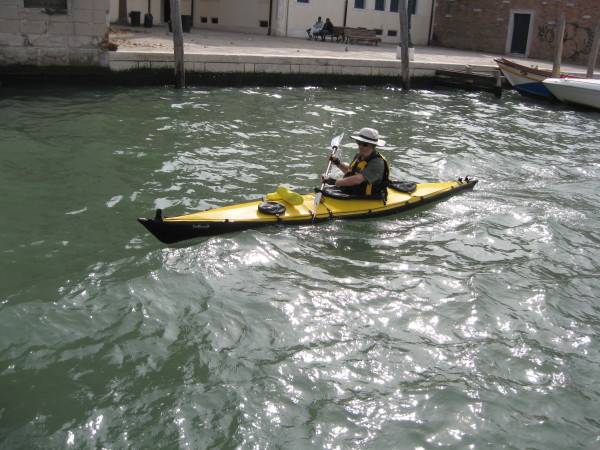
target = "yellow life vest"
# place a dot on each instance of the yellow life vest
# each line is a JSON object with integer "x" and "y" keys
{"x": 358, "y": 165}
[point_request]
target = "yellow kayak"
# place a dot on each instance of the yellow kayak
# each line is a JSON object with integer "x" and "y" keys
{"x": 245, "y": 216}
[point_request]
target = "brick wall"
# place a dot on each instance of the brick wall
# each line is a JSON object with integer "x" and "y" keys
{"x": 54, "y": 37}
{"x": 483, "y": 25}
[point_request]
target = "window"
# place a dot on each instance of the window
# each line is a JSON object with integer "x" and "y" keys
{"x": 302, "y": 1}
{"x": 378, "y": 31}
{"x": 392, "y": 33}
{"x": 359, "y": 4}
{"x": 214, "y": 20}
{"x": 264, "y": 23}
{"x": 53, "y": 4}
{"x": 412, "y": 3}
{"x": 203, "y": 19}
{"x": 379, "y": 5}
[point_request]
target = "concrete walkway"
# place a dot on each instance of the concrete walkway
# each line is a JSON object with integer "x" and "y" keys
{"x": 222, "y": 51}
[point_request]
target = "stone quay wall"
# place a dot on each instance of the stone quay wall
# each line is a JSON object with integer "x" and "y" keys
{"x": 42, "y": 36}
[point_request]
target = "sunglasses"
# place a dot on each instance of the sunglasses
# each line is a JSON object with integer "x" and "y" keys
{"x": 363, "y": 144}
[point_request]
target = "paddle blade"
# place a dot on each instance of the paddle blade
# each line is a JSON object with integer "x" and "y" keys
{"x": 335, "y": 142}
{"x": 317, "y": 201}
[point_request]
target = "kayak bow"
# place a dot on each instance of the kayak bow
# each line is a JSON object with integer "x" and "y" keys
{"x": 247, "y": 215}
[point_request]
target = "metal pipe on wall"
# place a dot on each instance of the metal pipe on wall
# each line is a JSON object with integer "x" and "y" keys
{"x": 345, "y": 12}
{"x": 431, "y": 23}
{"x": 270, "y": 16}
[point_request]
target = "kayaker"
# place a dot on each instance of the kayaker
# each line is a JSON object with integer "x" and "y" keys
{"x": 368, "y": 172}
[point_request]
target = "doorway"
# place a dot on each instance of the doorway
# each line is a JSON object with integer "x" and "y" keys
{"x": 166, "y": 10}
{"x": 519, "y": 32}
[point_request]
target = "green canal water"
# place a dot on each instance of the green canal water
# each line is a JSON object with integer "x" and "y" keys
{"x": 472, "y": 323}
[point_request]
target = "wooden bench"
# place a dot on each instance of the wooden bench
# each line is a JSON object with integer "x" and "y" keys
{"x": 337, "y": 33}
{"x": 361, "y": 35}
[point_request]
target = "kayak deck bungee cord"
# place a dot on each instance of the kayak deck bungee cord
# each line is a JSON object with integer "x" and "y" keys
{"x": 331, "y": 206}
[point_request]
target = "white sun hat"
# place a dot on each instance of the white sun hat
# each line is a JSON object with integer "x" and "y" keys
{"x": 369, "y": 135}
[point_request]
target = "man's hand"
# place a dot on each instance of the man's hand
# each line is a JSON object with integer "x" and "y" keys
{"x": 328, "y": 180}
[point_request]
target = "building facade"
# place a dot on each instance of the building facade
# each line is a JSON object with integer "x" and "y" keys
{"x": 518, "y": 27}
{"x": 53, "y": 32}
{"x": 291, "y": 18}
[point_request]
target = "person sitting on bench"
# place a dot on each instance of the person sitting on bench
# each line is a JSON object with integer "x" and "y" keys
{"x": 326, "y": 30}
{"x": 318, "y": 26}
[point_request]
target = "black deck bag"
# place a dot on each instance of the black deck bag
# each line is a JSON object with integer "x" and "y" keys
{"x": 273, "y": 208}
{"x": 407, "y": 187}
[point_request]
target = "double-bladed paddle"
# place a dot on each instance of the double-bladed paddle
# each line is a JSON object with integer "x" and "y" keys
{"x": 335, "y": 144}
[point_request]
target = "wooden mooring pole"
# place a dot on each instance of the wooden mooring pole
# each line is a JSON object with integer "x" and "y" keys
{"x": 558, "y": 45}
{"x": 594, "y": 52}
{"x": 404, "y": 44}
{"x": 177, "y": 44}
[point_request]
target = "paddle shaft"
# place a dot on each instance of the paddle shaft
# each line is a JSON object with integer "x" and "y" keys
{"x": 335, "y": 149}
{"x": 335, "y": 144}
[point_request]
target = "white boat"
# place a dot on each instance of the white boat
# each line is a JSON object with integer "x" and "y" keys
{"x": 581, "y": 91}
